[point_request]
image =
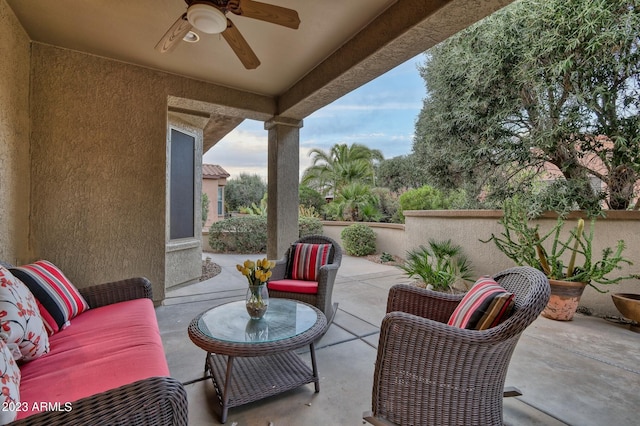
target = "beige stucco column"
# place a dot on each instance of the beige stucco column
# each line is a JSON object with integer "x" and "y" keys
{"x": 282, "y": 190}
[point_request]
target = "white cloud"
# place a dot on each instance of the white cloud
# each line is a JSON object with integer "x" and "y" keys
{"x": 240, "y": 151}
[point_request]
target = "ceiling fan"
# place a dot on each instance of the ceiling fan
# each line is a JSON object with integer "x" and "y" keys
{"x": 210, "y": 16}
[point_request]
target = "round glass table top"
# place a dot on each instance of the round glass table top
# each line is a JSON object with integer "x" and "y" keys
{"x": 231, "y": 323}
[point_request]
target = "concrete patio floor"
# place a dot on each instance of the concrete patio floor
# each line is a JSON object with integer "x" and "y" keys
{"x": 582, "y": 372}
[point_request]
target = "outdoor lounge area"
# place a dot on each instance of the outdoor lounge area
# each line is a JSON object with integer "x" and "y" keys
{"x": 101, "y": 132}
{"x": 582, "y": 372}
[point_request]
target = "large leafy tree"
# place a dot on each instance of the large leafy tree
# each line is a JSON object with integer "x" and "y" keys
{"x": 341, "y": 165}
{"x": 400, "y": 173}
{"x": 540, "y": 81}
{"x": 244, "y": 191}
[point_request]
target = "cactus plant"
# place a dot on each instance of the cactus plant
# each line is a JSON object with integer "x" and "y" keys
{"x": 523, "y": 243}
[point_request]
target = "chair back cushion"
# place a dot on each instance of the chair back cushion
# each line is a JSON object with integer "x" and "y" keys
{"x": 305, "y": 260}
{"x": 58, "y": 299}
{"x": 486, "y": 305}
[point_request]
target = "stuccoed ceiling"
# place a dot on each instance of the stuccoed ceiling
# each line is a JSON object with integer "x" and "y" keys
{"x": 339, "y": 46}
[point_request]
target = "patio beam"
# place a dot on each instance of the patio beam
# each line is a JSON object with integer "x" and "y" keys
{"x": 403, "y": 31}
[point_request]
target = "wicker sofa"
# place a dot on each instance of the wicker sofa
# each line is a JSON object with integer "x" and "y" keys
{"x": 107, "y": 368}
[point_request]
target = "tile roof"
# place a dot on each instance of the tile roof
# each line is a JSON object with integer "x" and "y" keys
{"x": 213, "y": 171}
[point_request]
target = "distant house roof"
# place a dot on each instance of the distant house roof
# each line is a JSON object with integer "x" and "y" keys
{"x": 213, "y": 171}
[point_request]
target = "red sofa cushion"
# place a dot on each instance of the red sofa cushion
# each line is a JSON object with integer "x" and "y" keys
{"x": 294, "y": 286}
{"x": 103, "y": 348}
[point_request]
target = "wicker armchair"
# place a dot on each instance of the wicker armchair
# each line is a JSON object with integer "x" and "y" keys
{"x": 429, "y": 373}
{"x": 326, "y": 278}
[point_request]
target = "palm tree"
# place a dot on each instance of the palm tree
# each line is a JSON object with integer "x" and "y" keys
{"x": 341, "y": 166}
{"x": 356, "y": 202}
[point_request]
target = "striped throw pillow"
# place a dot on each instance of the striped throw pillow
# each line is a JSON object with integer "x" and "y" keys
{"x": 486, "y": 305}
{"x": 58, "y": 299}
{"x": 306, "y": 260}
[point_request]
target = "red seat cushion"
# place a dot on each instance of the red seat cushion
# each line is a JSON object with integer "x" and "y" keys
{"x": 294, "y": 286}
{"x": 102, "y": 349}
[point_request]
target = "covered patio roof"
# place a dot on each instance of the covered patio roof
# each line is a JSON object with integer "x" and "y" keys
{"x": 91, "y": 104}
{"x": 338, "y": 47}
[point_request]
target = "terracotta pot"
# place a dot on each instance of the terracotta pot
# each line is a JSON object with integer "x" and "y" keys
{"x": 563, "y": 303}
{"x": 629, "y": 306}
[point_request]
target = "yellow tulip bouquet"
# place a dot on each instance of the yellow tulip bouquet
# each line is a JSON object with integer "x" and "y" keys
{"x": 257, "y": 274}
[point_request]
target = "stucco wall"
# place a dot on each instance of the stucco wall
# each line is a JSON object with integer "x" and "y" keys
{"x": 98, "y": 167}
{"x": 14, "y": 138}
{"x": 210, "y": 187}
{"x": 469, "y": 228}
{"x": 98, "y": 146}
{"x": 390, "y": 237}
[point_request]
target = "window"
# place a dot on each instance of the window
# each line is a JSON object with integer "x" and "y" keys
{"x": 182, "y": 185}
{"x": 220, "y": 201}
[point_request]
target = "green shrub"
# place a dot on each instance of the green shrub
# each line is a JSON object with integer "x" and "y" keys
{"x": 309, "y": 226}
{"x": 386, "y": 257}
{"x": 429, "y": 198}
{"x": 246, "y": 234}
{"x": 441, "y": 265}
{"x": 310, "y": 198}
{"x": 358, "y": 240}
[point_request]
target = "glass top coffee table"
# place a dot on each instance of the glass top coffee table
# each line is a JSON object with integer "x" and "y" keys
{"x": 253, "y": 359}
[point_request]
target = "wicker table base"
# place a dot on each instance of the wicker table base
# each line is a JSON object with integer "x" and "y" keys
{"x": 249, "y": 360}
{"x": 241, "y": 380}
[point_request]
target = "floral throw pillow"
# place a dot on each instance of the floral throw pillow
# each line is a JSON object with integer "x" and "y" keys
{"x": 21, "y": 326}
{"x": 9, "y": 385}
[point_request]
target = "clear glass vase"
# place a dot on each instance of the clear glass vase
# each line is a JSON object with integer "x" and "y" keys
{"x": 257, "y": 301}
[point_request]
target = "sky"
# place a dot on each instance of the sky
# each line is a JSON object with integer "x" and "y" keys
{"x": 380, "y": 115}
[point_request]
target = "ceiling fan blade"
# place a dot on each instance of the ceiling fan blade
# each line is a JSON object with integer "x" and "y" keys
{"x": 269, "y": 13}
{"x": 172, "y": 37}
{"x": 240, "y": 46}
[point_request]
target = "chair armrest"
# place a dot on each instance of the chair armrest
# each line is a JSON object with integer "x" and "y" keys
{"x": 424, "y": 303}
{"x": 117, "y": 291}
{"x": 279, "y": 271}
{"x": 152, "y": 401}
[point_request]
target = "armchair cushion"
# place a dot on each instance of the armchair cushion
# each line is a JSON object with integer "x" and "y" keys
{"x": 294, "y": 286}
{"x": 58, "y": 299}
{"x": 486, "y": 305}
{"x": 306, "y": 259}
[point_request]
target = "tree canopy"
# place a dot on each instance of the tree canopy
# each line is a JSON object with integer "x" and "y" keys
{"x": 244, "y": 191}
{"x": 340, "y": 166}
{"x": 541, "y": 81}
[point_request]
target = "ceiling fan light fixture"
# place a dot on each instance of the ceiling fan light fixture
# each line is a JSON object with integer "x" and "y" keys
{"x": 206, "y": 18}
{"x": 191, "y": 37}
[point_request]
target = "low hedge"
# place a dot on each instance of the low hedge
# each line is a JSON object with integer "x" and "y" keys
{"x": 248, "y": 234}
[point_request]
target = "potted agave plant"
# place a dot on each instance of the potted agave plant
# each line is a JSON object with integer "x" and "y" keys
{"x": 526, "y": 245}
